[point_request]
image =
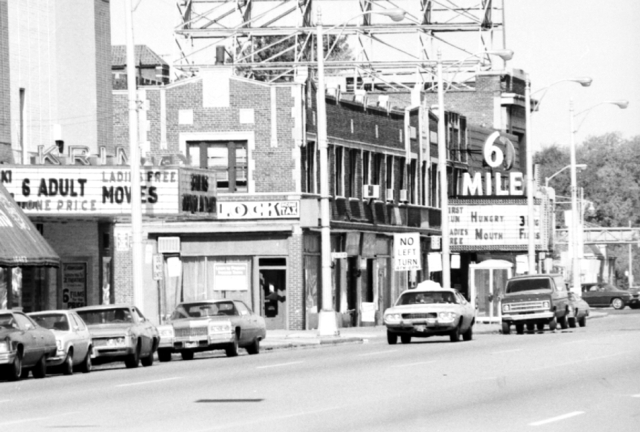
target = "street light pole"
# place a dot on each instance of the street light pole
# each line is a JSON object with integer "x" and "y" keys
{"x": 327, "y": 325}
{"x": 531, "y": 248}
{"x": 134, "y": 163}
{"x": 444, "y": 187}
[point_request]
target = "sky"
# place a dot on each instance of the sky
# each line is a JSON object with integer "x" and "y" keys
{"x": 552, "y": 40}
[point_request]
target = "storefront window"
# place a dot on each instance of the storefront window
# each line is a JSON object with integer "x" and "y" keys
{"x": 227, "y": 159}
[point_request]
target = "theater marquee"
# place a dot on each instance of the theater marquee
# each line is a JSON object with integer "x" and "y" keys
{"x": 48, "y": 190}
{"x": 497, "y": 225}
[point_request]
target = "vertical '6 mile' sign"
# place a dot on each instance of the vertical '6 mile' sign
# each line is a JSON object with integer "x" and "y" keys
{"x": 406, "y": 252}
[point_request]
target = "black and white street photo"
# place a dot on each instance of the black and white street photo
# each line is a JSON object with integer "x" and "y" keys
{"x": 319, "y": 215}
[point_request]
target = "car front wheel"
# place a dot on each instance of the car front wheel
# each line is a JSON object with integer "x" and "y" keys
{"x": 14, "y": 371}
{"x": 468, "y": 335}
{"x": 455, "y": 335}
{"x": 254, "y": 348}
{"x": 133, "y": 360}
{"x": 67, "y": 365}
{"x": 186, "y": 355}
{"x": 506, "y": 327}
{"x": 232, "y": 349}
{"x": 617, "y": 303}
{"x": 40, "y": 369}
{"x": 392, "y": 338}
{"x": 86, "y": 365}
{"x": 553, "y": 324}
{"x": 164, "y": 355}
{"x": 405, "y": 339}
{"x": 582, "y": 321}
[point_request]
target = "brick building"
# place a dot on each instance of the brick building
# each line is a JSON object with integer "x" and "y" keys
{"x": 5, "y": 101}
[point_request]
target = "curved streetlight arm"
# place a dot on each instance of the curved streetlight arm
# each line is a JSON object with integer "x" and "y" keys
{"x": 548, "y": 179}
{"x": 583, "y": 81}
{"x": 622, "y": 104}
{"x": 504, "y": 54}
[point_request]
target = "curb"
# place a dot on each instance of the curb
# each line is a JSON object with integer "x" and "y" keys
{"x": 311, "y": 343}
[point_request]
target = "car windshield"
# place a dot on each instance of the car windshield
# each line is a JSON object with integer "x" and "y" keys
{"x": 106, "y": 316}
{"x": 426, "y": 297}
{"x": 7, "y": 321}
{"x": 520, "y": 285}
{"x": 197, "y": 310}
{"x": 52, "y": 321}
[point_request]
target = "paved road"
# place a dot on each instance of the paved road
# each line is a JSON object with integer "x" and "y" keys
{"x": 585, "y": 379}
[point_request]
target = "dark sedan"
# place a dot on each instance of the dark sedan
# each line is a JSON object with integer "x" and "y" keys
{"x": 24, "y": 346}
{"x": 604, "y": 295}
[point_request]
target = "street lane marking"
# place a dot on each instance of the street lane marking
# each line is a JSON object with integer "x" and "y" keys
{"x": 638, "y": 396}
{"x": 278, "y": 365}
{"x": 13, "y": 422}
{"x": 558, "y": 418}
{"x": 508, "y": 351}
{"x": 6, "y": 400}
{"x": 414, "y": 364}
{"x": 377, "y": 352}
{"x": 148, "y": 382}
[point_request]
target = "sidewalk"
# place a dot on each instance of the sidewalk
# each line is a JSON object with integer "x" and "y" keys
{"x": 295, "y": 339}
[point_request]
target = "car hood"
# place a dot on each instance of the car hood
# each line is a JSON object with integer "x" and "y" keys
{"x": 421, "y": 308}
{"x": 198, "y": 322}
{"x": 104, "y": 330}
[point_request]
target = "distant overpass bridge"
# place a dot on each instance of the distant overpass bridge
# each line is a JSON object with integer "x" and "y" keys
{"x": 599, "y": 235}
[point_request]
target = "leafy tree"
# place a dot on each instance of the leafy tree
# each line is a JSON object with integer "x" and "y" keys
{"x": 611, "y": 181}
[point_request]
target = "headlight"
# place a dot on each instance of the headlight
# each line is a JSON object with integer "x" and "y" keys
{"x": 447, "y": 316}
{"x": 4, "y": 346}
{"x": 393, "y": 317}
{"x": 119, "y": 341}
{"x": 545, "y": 304}
{"x": 506, "y": 307}
{"x": 166, "y": 332}
{"x": 59, "y": 344}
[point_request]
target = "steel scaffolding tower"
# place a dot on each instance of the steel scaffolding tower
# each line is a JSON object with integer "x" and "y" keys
{"x": 381, "y": 51}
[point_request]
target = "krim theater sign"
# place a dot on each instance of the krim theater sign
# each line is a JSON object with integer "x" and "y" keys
{"x": 106, "y": 190}
{"x": 491, "y": 210}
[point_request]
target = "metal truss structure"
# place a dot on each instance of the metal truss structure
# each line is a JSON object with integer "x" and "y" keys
{"x": 394, "y": 53}
{"x": 609, "y": 236}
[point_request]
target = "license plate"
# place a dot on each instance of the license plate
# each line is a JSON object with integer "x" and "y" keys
{"x": 431, "y": 320}
{"x": 420, "y": 328}
{"x": 191, "y": 344}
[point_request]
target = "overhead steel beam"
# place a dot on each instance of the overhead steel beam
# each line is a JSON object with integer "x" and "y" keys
{"x": 603, "y": 236}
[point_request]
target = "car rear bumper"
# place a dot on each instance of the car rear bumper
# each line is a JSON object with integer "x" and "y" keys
{"x": 528, "y": 316}
{"x": 422, "y": 328}
{"x": 111, "y": 352}
{"x": 215, "y": 341}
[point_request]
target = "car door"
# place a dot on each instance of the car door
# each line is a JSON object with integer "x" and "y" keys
{"x": 590, "y": 295}
{"x": 33, "y": 341}
{"x": 144, "y": 331}
{"x": 247, "y": 320}
{"x": 81, "y": 337}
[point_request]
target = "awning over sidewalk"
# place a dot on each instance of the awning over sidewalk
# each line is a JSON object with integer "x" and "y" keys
{"x": 21, "y": 244}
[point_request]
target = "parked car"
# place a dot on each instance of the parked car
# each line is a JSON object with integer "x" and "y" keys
{"x": 73, "y": 339}
{"x": 424, "y": 312}
{"x": 120, "y": 332}
{"x": 210, "y": 325}
{"x": 578, "y": 310}
{"x": 604, "y": 295}
{"x": 24, "y": 346}
{"x": 535, "y": 301}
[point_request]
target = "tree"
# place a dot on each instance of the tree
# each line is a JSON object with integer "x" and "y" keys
{"x": 277, "y": 49}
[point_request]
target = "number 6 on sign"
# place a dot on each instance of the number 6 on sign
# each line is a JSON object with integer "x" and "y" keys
{"x": 493, "y": 154}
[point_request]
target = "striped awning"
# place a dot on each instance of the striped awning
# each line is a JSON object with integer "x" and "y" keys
{"x": 21, "y": 244}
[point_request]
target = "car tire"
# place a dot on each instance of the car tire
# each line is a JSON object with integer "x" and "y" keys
{"x": 164, "y": 355}
{"x": 617, "y": 303}
{"x": 392, "y": 338}
{"x": 133, "y": 360}
{"x": 254, "y": 348}
{"x": 468, "y": 335}
{"x": 563, "y": 322}
{"x": 506, "y": 327}
{"x": 520, "y": 329}
{"x": 572, "y": 322}
{"x": 187, "y": 355}
{"x": 582, "y": 321}
{"x": 531, "y": 327}
{"x": 14, "y": 370}
{"x": 232, "y": 348}
{"x": 86, "y": 365}
{"x": 67, "y": 364}
{"x": 553, "y": 324}
{"x": 455, "y": 334}
{"x": 148, "y": 360}
{"x": 40, "y": 369}
{"x": 405, "y": 339}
